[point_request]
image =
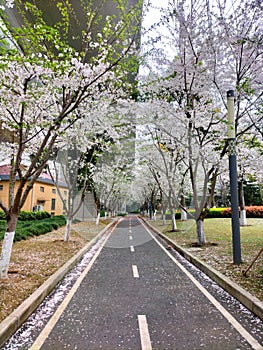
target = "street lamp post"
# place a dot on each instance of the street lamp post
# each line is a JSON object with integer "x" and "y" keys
{"x": 233, "y": 178}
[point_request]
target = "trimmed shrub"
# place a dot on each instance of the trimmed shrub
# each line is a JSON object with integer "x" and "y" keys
{"x": 33, "y": 215}
{"x": 19, "y": 236}
{"x": 28, "y": 215}
{"x": 2, "y": 215}
{"x": 59, "y": 219}
{"x": 177, "y": 215}
{"x": 217, "y": 213}
{"x": 39, "y": 215}
{"x": 29, "y": 228}
{"x": 252, "y": 212}
{"x": 255, "y": 211}
{"x": 226, "y": 213}
{"x": 2, "y": 234}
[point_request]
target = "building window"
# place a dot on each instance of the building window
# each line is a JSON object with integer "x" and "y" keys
{"x": 65, "y": 193}
{"x": 42, "y": 189}
{"x": 53, "y": 190}
{"x": 1, "y": 187}
{"x": 53, "y": 204}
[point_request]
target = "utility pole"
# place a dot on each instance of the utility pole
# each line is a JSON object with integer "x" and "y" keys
{"x": 233, "y": 178}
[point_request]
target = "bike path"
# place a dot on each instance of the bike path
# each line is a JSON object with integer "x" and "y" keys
{"x": 135, "y": 296}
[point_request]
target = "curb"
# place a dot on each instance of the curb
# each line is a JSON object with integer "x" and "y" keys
{"x": 248, "y": 300}
{"x": 11, "y": 324}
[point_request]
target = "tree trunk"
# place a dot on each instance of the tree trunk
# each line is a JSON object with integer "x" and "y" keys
{"x": 67, "y": 231}
{"x": 98, "y": 218}
{"x": 243, "y": 218}
{"x": 174, "y": 226}
{"x": 243, "y": 215}
{"x": 183, "y": 212}
{"x": 150, "y": 210}
{"x": 163, "y": 210}
{"x": 7, "y": 245}
{"x": 183, "y": 215}
{"x": 200, "y": 232}
{"x": 163, "y": 216}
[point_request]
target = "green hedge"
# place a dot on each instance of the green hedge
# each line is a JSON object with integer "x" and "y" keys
{"x": 252, "y": 212}
{"x": 28, "y": 215}
{"x": 29, "y": 228}
{"x": 217, "y": 213}
{"x": 33, "y": 215}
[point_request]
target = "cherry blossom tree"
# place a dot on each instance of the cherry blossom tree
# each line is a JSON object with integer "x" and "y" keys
{"x": 112, "y": 178}
{"x": 182, "y": 91}
{"x": 143, "y": 185}
{"x": 48, "y": 87}
{"x": 74, "y": 164}
{"x": 208, "y": 49}
{"x": 189, "y": 148}
{"x": 82, "y": 152}
{"x": 250, "y": 166}
{"x": 239, "y": 32}
{"x": 165, "y": 161}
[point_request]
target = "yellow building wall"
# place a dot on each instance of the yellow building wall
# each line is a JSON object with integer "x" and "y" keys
{"x": 43, "y": 195}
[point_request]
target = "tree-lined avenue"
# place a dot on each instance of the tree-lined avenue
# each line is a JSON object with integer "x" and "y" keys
{"x": 140, "y": 296}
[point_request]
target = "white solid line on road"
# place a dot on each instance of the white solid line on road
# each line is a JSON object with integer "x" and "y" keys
{"x": 56, "y": 316}
{"x": 135, "y": 271}
{"x": 132, "y": 248}
{"x": 144, "y": 333}
{"x": 244, "y": 333}
{"x": 130, "y": 238}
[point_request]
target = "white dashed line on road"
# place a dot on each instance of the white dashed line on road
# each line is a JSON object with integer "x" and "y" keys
{"x": 144, "y": 333}
{"x": 135, "y": 271}
{"x": 130, "y": 238}
{"x": 132, "y": 248}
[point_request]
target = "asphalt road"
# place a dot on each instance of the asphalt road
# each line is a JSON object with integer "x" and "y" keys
{"x": 135, "y": 294}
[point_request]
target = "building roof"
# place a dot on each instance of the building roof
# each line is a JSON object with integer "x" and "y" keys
{"x": 4, "y": 169}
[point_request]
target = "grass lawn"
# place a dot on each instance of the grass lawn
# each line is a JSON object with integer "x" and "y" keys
{"x": 218, "y": 251}
{"x": 219, "y": 231}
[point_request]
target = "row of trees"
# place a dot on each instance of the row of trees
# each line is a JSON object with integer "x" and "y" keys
{"x": 55, "y": 95}
{"x": 81, "y": 104}
{"x": 202, "y": 49}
